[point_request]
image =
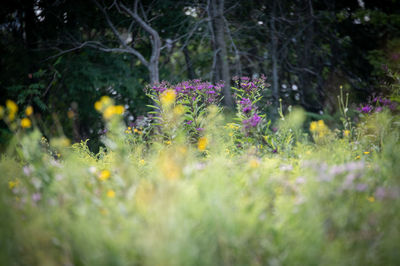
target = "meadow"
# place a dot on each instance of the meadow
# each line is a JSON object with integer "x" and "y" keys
{"x": 190, "y": 185}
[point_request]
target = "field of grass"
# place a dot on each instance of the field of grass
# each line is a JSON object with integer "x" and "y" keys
{"x": 204, "y": 192}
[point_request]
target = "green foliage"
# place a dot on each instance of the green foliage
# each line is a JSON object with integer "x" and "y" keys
{"x": 151, "y": 200}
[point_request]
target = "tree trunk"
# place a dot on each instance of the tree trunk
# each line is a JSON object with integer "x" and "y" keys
{"x": 153, "y": 71}
{"x": 274, "y": 59}
{"x": 222, "y": 67}
{"x": 189, "y": 66}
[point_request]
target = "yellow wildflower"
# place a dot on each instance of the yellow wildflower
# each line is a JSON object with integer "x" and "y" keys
{"x": 135, "y": 130}
{"x": 109, "y": 112}
{"x": 371, "y": 199}
{"x": 12, "y": 109}
{"x": 111, "y": 193}
{"x": 179, "y": 109}
{"x": 254, "y": 163}
{"x": 26, "y": 123}
{"x": 346, "y": 133}
{"x": 142, "y": 162}
{"x": 13, "y": 184}
{"x": 113, "y": 110}
{"x": 168, "y": 142}
{"x": 358, "y": 157}
{"x": 104, "y": 175}
{"x": 313, "y": 126}
{"x": 29, "y": 110}
{"x": 170, "y": 168}
{"x": 319, "y": 128}
{"x": 119, "y": 109}
{"x": 168, "y": 97}
{"x": 104, "y": 102}
{"x": 366, "y": 152}
{"x": 103, "y": 211}
{"x": 202, "y": 143}
{"x": 98, "y": 106}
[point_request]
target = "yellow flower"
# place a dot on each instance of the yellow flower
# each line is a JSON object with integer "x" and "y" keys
{"x": 103, "y": 211}
{"x": 319, "y": 128}
{"x": 202, "y": 143}
{"x": 168, "y": 97}
{"x": 254, "y": 163}
{"x": 12, "y": 106}
{"x": 12, "y": 109}
{"x": 119, "y": 109}
{"x": 109, "y": 112}
{"x": 111, "y": 193}
{"x": 113, "y": 110}
{"x": 168, "y": 142}
{"x": 371, "y": 199}
{"x": 29, "y": 110}
{"x": 13, "y": 184}
{"x": 313, "y": 126}
{"x": 366, "y": 152}
{"x": 26, "y": 123}
{"x": 170, "y": 168}
{"x": 135, "y": 130}
{"x": 104, "y": 102}
{"x": 104, "y": 175}
{"x": 358, "y": 157}
{"x": 142, "y": 162}
{"x": 98, "y": 106}
{"x": 346, "y": 133}
{"x": 179, "y": 110}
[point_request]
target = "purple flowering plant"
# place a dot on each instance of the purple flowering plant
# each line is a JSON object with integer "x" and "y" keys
{"x": 248, "y": 93}
{"x": 376, "y": 105}
{"x": 195, "y": 96}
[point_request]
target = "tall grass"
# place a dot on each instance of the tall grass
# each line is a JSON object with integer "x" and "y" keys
{"x": 227, "y": 195}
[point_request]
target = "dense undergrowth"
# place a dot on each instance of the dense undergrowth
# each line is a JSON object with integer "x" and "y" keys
{"x": 188, "y": 188}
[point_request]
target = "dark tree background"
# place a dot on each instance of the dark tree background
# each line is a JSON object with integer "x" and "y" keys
{"x": 60, "y": 56}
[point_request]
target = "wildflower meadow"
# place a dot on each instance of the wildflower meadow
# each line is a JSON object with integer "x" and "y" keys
{"x": 193, "y": 184}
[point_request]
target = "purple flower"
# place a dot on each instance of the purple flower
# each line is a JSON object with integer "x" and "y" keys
{"x": 247, "y": 109}
{"x": 255, "y": 120}
{"x": 36, "y": 197}
{"x": 361, "y": 187}
{"x": 252, "y": 122}
{"x": 245, "y": 102}
{"x": 27, "y": 170}
{"x": 189, "y": 122}
{"x": 365, "y": 109}
{"x": 199, "y": 129}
